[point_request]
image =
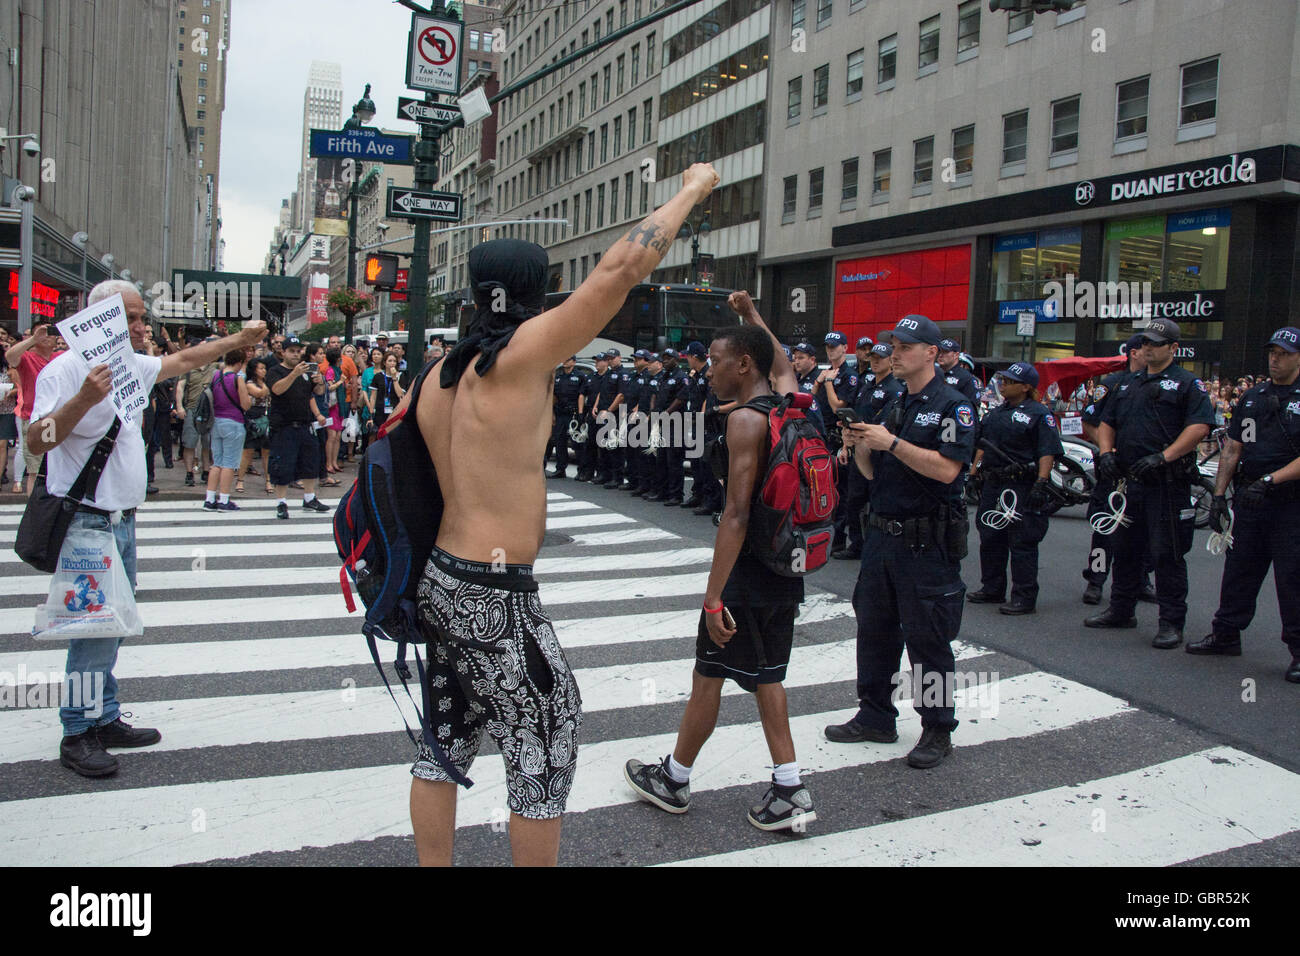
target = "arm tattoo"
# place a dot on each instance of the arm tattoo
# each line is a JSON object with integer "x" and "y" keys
{"x": 651, "y": 235}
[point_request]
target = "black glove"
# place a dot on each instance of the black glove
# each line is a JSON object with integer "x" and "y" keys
{"x": 1147, "y": 467}
{"x": 1254, "y": 494}
{"x": 1108, "y": 467}
{"x": 1219, "y": 513}
{"x": 1040, "y": 495}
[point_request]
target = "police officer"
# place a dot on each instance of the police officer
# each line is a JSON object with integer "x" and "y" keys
{"x": 876, "y": 386}
{"x": 1018, "y": 445}
{"x": 909, "y": 589}
{"x": 641, "y": 455}
{"x": 703, "y": 494}
{"x": 955, "y": 375}
{"x": 1148, "y": 435}
{"x": 856, "y": 484}
{"x": 863, "y": 355}
{"x": 603, "y": 423}
{"x": 616, "y": 468}
{"x": 804, "y": 359}
{"x": 884, "y": 386}
{"x": 587, "y": 458}
{"x": 569, "y": 381}
{"x": 670, "y": 457}
{"x": 632, "y": 393}
{"x": 1262, "y": 459}
{"x": 1099, "y": 554}
{"x": 837, "y": 387}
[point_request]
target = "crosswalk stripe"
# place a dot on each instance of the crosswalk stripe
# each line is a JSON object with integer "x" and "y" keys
{"x": 261, "y": 718}
{"x": 155, "y": 826}
{"x": 188, "y": 552}
{"x": 189, "y": 578}
{"x": 268, "y": 503}
{"x": 197, "y": 513}
{"x": 137, "y": 661}
{"x": 329, "y": 604}
{"x": 1180, "y": 809}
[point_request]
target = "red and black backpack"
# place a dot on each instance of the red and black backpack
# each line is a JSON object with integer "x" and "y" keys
{"x": 790, "y": 521}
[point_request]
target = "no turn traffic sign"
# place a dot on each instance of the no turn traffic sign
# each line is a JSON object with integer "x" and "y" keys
{"x": 433, "y": 54}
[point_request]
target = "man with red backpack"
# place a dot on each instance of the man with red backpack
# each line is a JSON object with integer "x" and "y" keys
{"x": 747, "y": 623}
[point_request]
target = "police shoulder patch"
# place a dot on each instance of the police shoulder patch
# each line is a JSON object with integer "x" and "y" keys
{"x": 1200, "y": 385}
{"x": 965, "y": 415}
{"x": 853, "y": 380}
{"x": 1099, "y": 393}
{"x": 1050, "y": 419}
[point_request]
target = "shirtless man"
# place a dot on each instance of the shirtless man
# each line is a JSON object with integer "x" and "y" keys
{"x": 494, "y": 658}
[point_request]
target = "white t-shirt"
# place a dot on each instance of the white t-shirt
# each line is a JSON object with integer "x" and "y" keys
{"x": 124, "y": 481}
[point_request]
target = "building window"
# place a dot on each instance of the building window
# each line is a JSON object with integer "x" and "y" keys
{"x": 968, "y": 30}
{"x": 815, "y": 177}
{"x": 201, "y": 114}
{"x": 582, "y": 99}
{"x": 823, "y": 13}
{"x": 636, "y": 64}
{"x": 203, "y": 98}
{"x": 1199, "y": 99}
{"x": 609, "y": 21}
{"x": 1065, "y": 132}
{"x": 606, "y": 75}
{"x": 604, "y": 142}
{"x": 963, "y": 154}
{"x": 586, "y": 218}
{"x": 1023, "y": 262}
{"x": 645, "y": 197}
{"x": 600, "y": 205}
{"x": 821, "y": 88}
{"x": 203, "y": 66}
{"x": 203, "y": 84}
{"x": 886, "y": 55}
{"x": 646, "y": 108}
{"x": 798, "y": 15}
{"x": 1131, "y": 113}
{"x": 1020, "y": 25}
{"x": 1015, "y": 142}
{"x": 853, "y": 87}
{"x": 619, "y": 86}
{"x": 650, "y": 55}
{"x": 927, "y": 56}
{"x": 618, "y": 135}
{"x": 622, "y": 14}
{"x": 880, "y": 176}
{"x": 613, "y": 200}
{"x": 922, "y": 164}
{"x": 849, "y": 184}
{"x": 794, "y": 100}
{"x": 790, "y": 200}
{"x": 627, "y": 196}
{"x": 1184, "y": 252}
{"x": 591, "y": 150}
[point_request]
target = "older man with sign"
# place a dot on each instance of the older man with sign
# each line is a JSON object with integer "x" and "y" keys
{"x": 81, "y": 405}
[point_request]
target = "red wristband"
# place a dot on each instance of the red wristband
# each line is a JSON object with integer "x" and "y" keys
{"x": 709, "y": 610}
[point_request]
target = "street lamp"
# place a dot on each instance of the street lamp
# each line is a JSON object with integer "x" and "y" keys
{"x": 694, "y": 234}
{"x": 284, "y": 251}
{"x": 362, "y": 112}
{"x": 81, "y": 240}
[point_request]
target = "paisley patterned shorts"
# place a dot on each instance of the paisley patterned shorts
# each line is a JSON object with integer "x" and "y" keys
{"x": 495, "y": 665}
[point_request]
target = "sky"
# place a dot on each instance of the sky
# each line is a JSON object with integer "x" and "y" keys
{"x": 272, "y": 44}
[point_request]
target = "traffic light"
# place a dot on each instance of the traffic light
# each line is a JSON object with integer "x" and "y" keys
{"x": 381, "y": 270}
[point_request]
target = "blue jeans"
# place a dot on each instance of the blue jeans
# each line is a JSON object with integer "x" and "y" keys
{"x": 92, "y": 659}
{"x": 227, "y": 439}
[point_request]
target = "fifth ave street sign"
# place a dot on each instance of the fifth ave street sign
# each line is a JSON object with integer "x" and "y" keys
{"x": 368, "y": 145}
{"x": 419, "y": 111}
{"x": 404, "y": 203}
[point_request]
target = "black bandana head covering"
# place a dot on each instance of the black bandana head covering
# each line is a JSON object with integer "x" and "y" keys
{"x": 508, "y": 278}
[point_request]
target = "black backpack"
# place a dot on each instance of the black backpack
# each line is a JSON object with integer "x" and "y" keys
{"x": 385, "y": 528}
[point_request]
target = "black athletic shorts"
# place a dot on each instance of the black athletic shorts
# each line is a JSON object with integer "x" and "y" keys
{"x": 295, "y": 454}
{"x": 759, "y": 650}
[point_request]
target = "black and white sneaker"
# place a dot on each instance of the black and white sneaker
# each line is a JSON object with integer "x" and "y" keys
{"x": 210, "y": 505}
{"x": 282, "y": 511}
{"x": 784, "y": 808}
{"x": 315, "y": 505}
{"x": 652, "y": 783}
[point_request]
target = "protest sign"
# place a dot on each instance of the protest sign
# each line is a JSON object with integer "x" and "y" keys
{"x": 100, "y": 336}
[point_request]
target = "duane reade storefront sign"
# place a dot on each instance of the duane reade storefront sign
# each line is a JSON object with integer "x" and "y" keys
{"x": 1239, "y": 169}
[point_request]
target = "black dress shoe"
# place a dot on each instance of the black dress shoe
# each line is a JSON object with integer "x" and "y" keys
{"x": 189, "y": 475}
{"x": 1148, "y": 593}
{"x": 1109, "y": 618}
{"x": 703, "y": 510}
{"x": 1092, "y": 594}
{"x": 121, "y": 734}
{"x": 1167, "y": 636}
{"x": 673, "y": 502}
{"x": 692, "y": 502}
{"x": 282, "y": 511}
{"x": 1216, "y": 644}
{"x": 984, "y": 597}
{"x": 614, "y": 483}
{"x": 854, "y": 733}
{"x": 1293, "y": 672}
{"x": 86, "y": 755}
{"x": 657, "y": 496}
{"x": 549, "y": 474}
{"x": 1016, "y": 607}
{"x": 151, "y": 490}
{"x": 933, "y": 746}
{"x": 582, "y": 478}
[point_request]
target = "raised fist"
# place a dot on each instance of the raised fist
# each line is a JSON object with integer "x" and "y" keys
{"x": 701, "y": 175}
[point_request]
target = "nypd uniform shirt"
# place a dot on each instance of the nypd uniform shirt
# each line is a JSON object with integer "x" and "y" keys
{"x": 873, "y": 398}
{"x": 651, "y": 396}
{"x": 1275, "y": 411}
{"x": 567, "y": 387}
{"x": 632, "y": 389}
{"x": 1024, "y": 433}
{"x": 845, "y": 384}
{"x": 591, "y": 389}
{"x": 607, "y": 388}
{"x": 624, "y": 385}
{"x": 939, "y": 418}
{"x": 964, "y": 382}
{"x": 671, "y": 388}
{"x": 1101, "y": 395}
{"x": 808, "y": 385}
{"x": 866, "y": 382}
{"x": 1148, "y": 412}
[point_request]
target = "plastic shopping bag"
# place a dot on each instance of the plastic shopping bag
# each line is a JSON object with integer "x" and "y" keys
{"x": 90, "y": 594}
{"x": 351, "y": 428}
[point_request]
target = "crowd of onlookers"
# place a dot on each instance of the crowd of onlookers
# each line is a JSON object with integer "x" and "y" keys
{"x": 357, "y": 386}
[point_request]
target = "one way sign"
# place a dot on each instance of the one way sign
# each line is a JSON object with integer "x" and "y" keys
{"x": 404, "y": 203}
{"x": 421, "y": 112}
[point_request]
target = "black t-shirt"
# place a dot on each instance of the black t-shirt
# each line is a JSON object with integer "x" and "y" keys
{"x": 295, "y": 404}
{"x": 1271, "y": 414}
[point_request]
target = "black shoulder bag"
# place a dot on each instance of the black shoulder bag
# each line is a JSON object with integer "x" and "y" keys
{"x": 47, "y": 517}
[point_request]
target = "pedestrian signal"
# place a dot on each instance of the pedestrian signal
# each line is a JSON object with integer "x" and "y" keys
{"x": 381, "y": 270}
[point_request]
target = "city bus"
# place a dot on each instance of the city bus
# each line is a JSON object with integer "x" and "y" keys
{"x": 654, "y": 316}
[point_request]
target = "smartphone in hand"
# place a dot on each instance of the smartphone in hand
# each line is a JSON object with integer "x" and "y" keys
{"x": 728, "y": 621}
{"x": 847, "y": 416}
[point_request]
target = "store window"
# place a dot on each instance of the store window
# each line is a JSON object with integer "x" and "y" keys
{"x": 1024, "y": 262}
{"x": 1185, "y": 252}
